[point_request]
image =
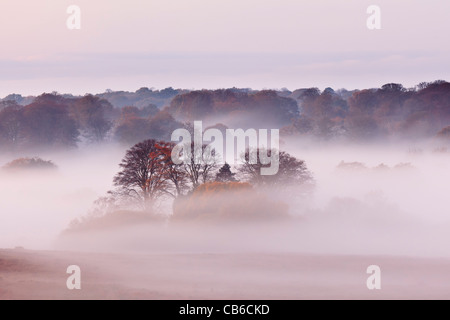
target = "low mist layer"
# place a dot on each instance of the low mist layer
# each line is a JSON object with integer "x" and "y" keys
{"x": 366, "y": 200}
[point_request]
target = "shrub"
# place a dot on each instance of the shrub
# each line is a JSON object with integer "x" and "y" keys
{"x": 112, "y": 220}
{"x": 228, "y": 201}
{"x": 30, "y": 163}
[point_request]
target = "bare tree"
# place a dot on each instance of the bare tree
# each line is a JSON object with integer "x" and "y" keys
{"x": 172, "y": 171}
{"x": 201, "y": 165}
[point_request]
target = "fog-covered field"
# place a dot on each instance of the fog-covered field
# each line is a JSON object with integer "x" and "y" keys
{"x": 36, "y": 206}
{"x": 41, "y": 275}
{"x": 400, "y": 208}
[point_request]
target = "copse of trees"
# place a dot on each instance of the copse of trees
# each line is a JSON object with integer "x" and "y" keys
{"x": 54, "y": 121}
{"x": 48, "y": 122}
{"x": 322, "y": 114}
{"x": 235, "y": 107}
{"x": 59, "y": 121}
{"x": 386, "y": 112}
{"x": 12, "y": 126}
{"x": 132, "y": 126}
{"x": 16, "y": 99}
{"x": 207, "y": 192}
{"x": 141, "y": 97}
{"x": 148, "y": 173}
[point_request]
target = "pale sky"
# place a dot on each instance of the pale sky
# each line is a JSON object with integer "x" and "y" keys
{"x": 194, "y": 44}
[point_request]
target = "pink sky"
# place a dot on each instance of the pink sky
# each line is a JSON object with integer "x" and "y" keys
{"x": 124, "y": 45}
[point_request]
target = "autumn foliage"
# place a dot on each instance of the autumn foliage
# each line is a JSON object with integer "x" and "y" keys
{"x": 35, "y": 163}
{"x": 228, "y": 201}
{"x": 61, "y": 121}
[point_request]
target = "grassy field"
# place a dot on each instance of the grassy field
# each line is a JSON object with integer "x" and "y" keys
{"x": 42, "y": 275}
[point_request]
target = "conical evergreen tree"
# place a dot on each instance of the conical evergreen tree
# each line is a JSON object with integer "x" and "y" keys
{"x": 225, "y": 174}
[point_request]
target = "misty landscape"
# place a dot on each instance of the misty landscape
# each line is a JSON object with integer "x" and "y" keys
{"x": 362, "y": 180}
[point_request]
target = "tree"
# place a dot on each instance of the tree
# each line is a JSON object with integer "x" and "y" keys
{"x": 225, "y": 174}
{"x": 11, "y": 126}
{"x": 199, "y": 172}
{"x": 142, "y": 177}
{"x": 129, "y": 111}
{"x": 161, "y": 125}
{"x": 291, "y": 172}
{"x": 324, "y": 113}
{"x": 363, "y": 127}
{"x": 300, "y": 126}
{"x": 264, "y": 108}
{"x": 195, "y": 105}
{"x": 393, "y": 87}
{"x": 48, "y": 122}
{"x": 149, "y": 110}
{"x": 172, "y": 171}
{"x": 131, "y": 129}
{"x": 91, "y": 114}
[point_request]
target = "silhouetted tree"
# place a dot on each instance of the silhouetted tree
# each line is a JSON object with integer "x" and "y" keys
{"x": 161, "y": 125}
{"x": 291, "y": 171}
{"x": 12, "y": 126}
{"x": 142, "y": 176}
{"x": 131, "y": 127}
{"x": 246, "y": 109}
{"x": 324, "y": 113}
{"x": 225, "y": 174}
{"x": 201, "y": 171}
{"x": 148, "y": 111}
{"x": 172, "y": 171}
{"x": 92, "y": 115}
{"x": 48, "y": 123}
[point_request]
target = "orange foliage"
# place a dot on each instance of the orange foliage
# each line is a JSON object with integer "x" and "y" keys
{"x": 29, "y": 163}
{"x": 228, "y": 201}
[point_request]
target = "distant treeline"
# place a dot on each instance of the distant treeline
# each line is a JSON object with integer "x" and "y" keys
{"x": 392, "y": 111}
